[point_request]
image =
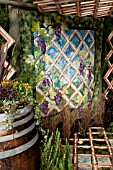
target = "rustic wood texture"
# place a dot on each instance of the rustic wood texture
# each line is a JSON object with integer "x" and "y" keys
{"x": 3, "y": 53}
{"x": 23, "y": 132}
{"x": 16, "y": 3}
{"x": 97, "y": 139}
{"x": 96, "y": 8}
{"x": 110, "y": 65}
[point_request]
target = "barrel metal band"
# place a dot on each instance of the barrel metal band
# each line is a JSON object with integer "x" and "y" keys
{"x": 20, "y": 149}
{"x": 17, "y": 123}
{"x": 18, "y": 134}
{"x": 21, "y": 112}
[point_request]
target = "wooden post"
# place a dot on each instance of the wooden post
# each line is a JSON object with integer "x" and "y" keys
{"x": 112, "y": 159}
{"x": 14, "y": 31}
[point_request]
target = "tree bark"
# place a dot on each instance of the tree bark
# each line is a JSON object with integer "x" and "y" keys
{"x": 14, "y": 31}
{"x": 15, "y": 3}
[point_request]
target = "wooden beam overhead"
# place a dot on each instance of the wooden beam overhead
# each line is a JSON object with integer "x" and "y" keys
{"x": 16, "y": 3}
{"x": 96, "y": 8}
{"x": 78, "y": 8}
{"x": 67, "y": 7}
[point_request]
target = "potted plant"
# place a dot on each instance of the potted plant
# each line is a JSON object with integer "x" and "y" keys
{"x": 18, "y": 135}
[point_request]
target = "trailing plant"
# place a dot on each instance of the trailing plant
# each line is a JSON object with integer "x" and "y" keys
{"x": 53, "y": 156}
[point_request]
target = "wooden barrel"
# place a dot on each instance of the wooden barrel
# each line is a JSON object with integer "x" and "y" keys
{"x": 19, "y": 145}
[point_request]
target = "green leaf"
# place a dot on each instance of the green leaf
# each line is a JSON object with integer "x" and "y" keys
{"x": 30, "y": 59}
{"x": 51, "y": 30}
{"x": 111, "y": 124}
{"x": 58, "y": 19}
{"x": 108, "y": 129}
{"x": 39, "y": 78}
{"x": 65, "y": 90}
{"x": 43, "y": 32}
{"x": 63, "y": 26}
{"x": 46, "y": 88}
{"x": 45, "y": 25}
{"x": 40, "y": 67}
{"x": 52, "y": 105}
{"x": 38, "y": 51}
{"x": 47, "y": 20}
{"x": 57, "y": 83}
{"x": 55, "y": 73}
{"x": 49, "y": 41}
{"x": 35, "y": 26}
{"x": 39, "y": 97}
{"x": 52, "y": 94}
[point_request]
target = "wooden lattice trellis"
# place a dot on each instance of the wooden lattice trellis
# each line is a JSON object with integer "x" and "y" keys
{"x": 96, "y": 8}
{"x": 74, "y": 82}
{"x": 98, "y": 143}
{"x": 110, "y": 70}
{"x": 9, "y": 42}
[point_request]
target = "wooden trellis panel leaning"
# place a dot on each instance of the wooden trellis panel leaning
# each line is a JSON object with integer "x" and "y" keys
{"x": 9, "y": 42}
{"x": 94, "y": 151}
{"x": 110, "y": 65}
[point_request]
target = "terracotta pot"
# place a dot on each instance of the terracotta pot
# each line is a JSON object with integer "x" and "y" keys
{"x": 19, "y": 146}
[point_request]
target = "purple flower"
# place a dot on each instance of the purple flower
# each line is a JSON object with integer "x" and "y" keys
{"x": 42, "y": 44}
{"x": 58, "y": 98}
{"x": 46, "y": 82}
{"x": 81, "y": 110}
{"x": 45, "y": 107}
{"x": 81, "y": 67}
{"x": 90, "y": 100}
{"x": 58, "y": 31}
{"x": 89, "y": 75}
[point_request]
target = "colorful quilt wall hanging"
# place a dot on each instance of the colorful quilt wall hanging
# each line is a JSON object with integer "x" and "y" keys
{"x": 64, "y": 64}
{"x": 48, "y": 21}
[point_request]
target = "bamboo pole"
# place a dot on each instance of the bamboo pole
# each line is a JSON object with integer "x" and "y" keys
{"x": 15, "y": 3}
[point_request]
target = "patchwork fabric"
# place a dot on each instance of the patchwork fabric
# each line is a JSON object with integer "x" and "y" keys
{"x": 68, "y": 65}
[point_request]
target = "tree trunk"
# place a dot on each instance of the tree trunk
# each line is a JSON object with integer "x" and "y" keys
{"x": 15, "y": 3}
{"x": 14, "y": 31}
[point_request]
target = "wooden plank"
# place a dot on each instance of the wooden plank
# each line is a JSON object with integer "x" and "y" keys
{"x": 96, "y": 8}
{"x": 78, "y": 8}
{"x": 58, "y": 6}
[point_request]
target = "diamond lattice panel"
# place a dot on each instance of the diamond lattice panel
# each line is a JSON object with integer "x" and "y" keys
{"x": 9, "y": 42}
{"x": 71, "y": 66}
{"x": 109, "y": 73}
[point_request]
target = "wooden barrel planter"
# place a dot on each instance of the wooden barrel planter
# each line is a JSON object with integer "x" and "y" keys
{"x": 19, "y": 146}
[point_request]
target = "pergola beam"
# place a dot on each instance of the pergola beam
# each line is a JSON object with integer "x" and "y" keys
{"x": 96, "y": 8}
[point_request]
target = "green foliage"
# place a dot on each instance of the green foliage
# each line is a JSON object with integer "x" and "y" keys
{"x": 35, "y": 26}
{"x": 53, "y": 157}
{"x": 3, "y": 15}
{"x": 27, "y": 72}
{"x": 110, "y": 128}
{"x": 100, "y": 133}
